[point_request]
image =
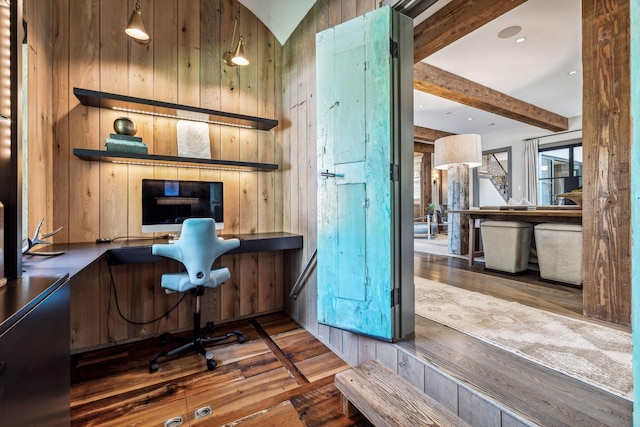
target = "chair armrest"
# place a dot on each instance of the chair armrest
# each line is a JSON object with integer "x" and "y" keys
{"x": 228, "y": 244}
{"x": 172, "y": 251}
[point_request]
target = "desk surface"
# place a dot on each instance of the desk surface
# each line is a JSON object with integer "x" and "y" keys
{"x": 77, "y": 256}
{"x": 42, "y": 275}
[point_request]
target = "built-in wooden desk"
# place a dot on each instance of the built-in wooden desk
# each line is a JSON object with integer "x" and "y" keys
{"x": 43, "y": 275}
{"x": 538, "y": 215}
{"x": 36, "y": 312}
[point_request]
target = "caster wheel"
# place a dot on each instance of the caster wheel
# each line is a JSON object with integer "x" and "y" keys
{"x": 164, "y": 339}
{"x": 153, "y": 367}
{"x": 209, "y": 326}
{"x": 211, "y": 363}
{"x": 240, "y": 339}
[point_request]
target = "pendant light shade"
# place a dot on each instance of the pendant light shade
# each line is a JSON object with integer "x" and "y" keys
{"x": 239, "y": 58}
{"x": 136, "y": 28}
{"x": 236, "y": 56}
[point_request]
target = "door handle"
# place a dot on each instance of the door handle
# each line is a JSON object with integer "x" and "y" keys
{"x": 326, "y": 174}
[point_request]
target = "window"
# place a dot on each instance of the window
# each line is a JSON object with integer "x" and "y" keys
{"x": 560, "y": 171}
{"x": 492, "y": 180}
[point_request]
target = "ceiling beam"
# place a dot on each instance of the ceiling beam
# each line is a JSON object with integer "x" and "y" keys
{"x": 423, "y": 147}
{"x": 421, "y": 134}
{"x": 455, "y": 20}
{"x": 423, "y": 139}
{"x": 436, "y": 81}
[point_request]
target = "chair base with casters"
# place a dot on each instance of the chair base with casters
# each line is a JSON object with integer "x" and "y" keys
{"x": 198, "y": 342}
{"x": 197, "y": 249}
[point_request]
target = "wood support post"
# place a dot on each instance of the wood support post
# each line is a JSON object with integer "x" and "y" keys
{"x": 458, "y": 181}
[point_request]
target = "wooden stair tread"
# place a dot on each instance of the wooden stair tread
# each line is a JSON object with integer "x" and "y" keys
{"x": 387, "y": 399}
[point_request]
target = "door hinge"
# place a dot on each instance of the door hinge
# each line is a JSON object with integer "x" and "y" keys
{"x": 394, "y": 172}
{"x": 393, "y": 48}
{"x": 395, "y": 297}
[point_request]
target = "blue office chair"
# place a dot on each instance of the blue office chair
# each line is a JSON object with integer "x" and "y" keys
{"x": 197, "y": 249}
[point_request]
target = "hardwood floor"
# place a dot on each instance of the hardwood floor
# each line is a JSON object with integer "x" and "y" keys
{"x": 283, "y": 376}
{"x": 525, "y": 288}
{"x": 534, "y": 394}
{"x": 280, "y": 376}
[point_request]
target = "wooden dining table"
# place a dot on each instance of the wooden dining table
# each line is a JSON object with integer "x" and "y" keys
{"x": 567, "y": 214}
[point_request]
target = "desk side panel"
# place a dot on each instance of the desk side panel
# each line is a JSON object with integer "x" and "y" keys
{"x": 34, "y": 352}
{"x": 255, "y": 287}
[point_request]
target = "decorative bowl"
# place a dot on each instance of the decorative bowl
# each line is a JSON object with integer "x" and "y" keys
{"x": 575, "y": 197}
{"x": 124, "y": 126}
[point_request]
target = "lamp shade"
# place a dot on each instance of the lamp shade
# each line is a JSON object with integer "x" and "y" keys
{"x": 239, "y": 57}
{"x": 463, "y": 149}
{"x": 136, "y": 29}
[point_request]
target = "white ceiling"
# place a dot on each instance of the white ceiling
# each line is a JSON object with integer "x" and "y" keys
{"x": 280, "y": 16}
{"x": 534, "y": 71}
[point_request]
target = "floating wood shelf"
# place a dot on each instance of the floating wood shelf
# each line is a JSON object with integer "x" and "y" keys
{"x": 132, "y": 104}
{"x": 161, "y": 160}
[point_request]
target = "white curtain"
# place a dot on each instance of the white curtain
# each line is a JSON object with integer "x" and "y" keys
{"x": 531, "y": 170}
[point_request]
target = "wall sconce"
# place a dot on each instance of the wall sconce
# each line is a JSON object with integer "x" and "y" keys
{"x": 236, "y": 56}
{"x": 136, "y": 29}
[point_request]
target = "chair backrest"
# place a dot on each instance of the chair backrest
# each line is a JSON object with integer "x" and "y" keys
{"x": 443, "y": 212}
{"x": 197, "y": 248}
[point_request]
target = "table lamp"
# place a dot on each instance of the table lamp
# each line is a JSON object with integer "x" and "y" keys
{"x": 456, "y": 154}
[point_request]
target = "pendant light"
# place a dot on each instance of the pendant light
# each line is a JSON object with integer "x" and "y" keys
{"x": 234, "y": 57}
{"x": 239, "y": 58}
{"x": 136, "y": 29}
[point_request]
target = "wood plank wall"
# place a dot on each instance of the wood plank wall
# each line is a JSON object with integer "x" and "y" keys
{"x": 299, "y": 147}
{"x": 606, "y": 140}
{"x": 81, "y": 43}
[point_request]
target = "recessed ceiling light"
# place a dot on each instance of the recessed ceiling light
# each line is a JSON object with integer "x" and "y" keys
{"x": 420, "y": 106}
{"x": 470, "y": 118}
{"x": 492, "y": 124}
{"x": 521, "y": 39}
{"x": 572, "y": 72}
{"x": 509, "y": 32}
{"x": 448, "y": 112}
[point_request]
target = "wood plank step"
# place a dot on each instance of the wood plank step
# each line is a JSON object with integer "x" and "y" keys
{"x": 387, "y": 399}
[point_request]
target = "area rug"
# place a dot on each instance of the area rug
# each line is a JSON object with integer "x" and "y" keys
{"x": 589, "y": 352}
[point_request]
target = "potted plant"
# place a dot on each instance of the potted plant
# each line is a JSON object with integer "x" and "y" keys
{"x": 430, "y": 210}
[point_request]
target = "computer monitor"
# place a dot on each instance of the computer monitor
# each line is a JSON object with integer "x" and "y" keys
{"x": 167, "y": 203}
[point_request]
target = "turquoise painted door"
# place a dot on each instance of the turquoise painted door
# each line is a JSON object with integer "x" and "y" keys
{"x": 355, "y": 189}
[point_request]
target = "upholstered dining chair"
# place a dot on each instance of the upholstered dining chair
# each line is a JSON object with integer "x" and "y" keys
{"x": 443, "y": 224}
{"x": 197, "y": 248}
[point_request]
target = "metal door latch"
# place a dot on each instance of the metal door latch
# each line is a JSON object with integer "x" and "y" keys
{"x": 326, "y": 174}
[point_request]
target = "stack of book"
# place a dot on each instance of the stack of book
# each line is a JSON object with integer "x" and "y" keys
{"x": 126, "y": 143}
